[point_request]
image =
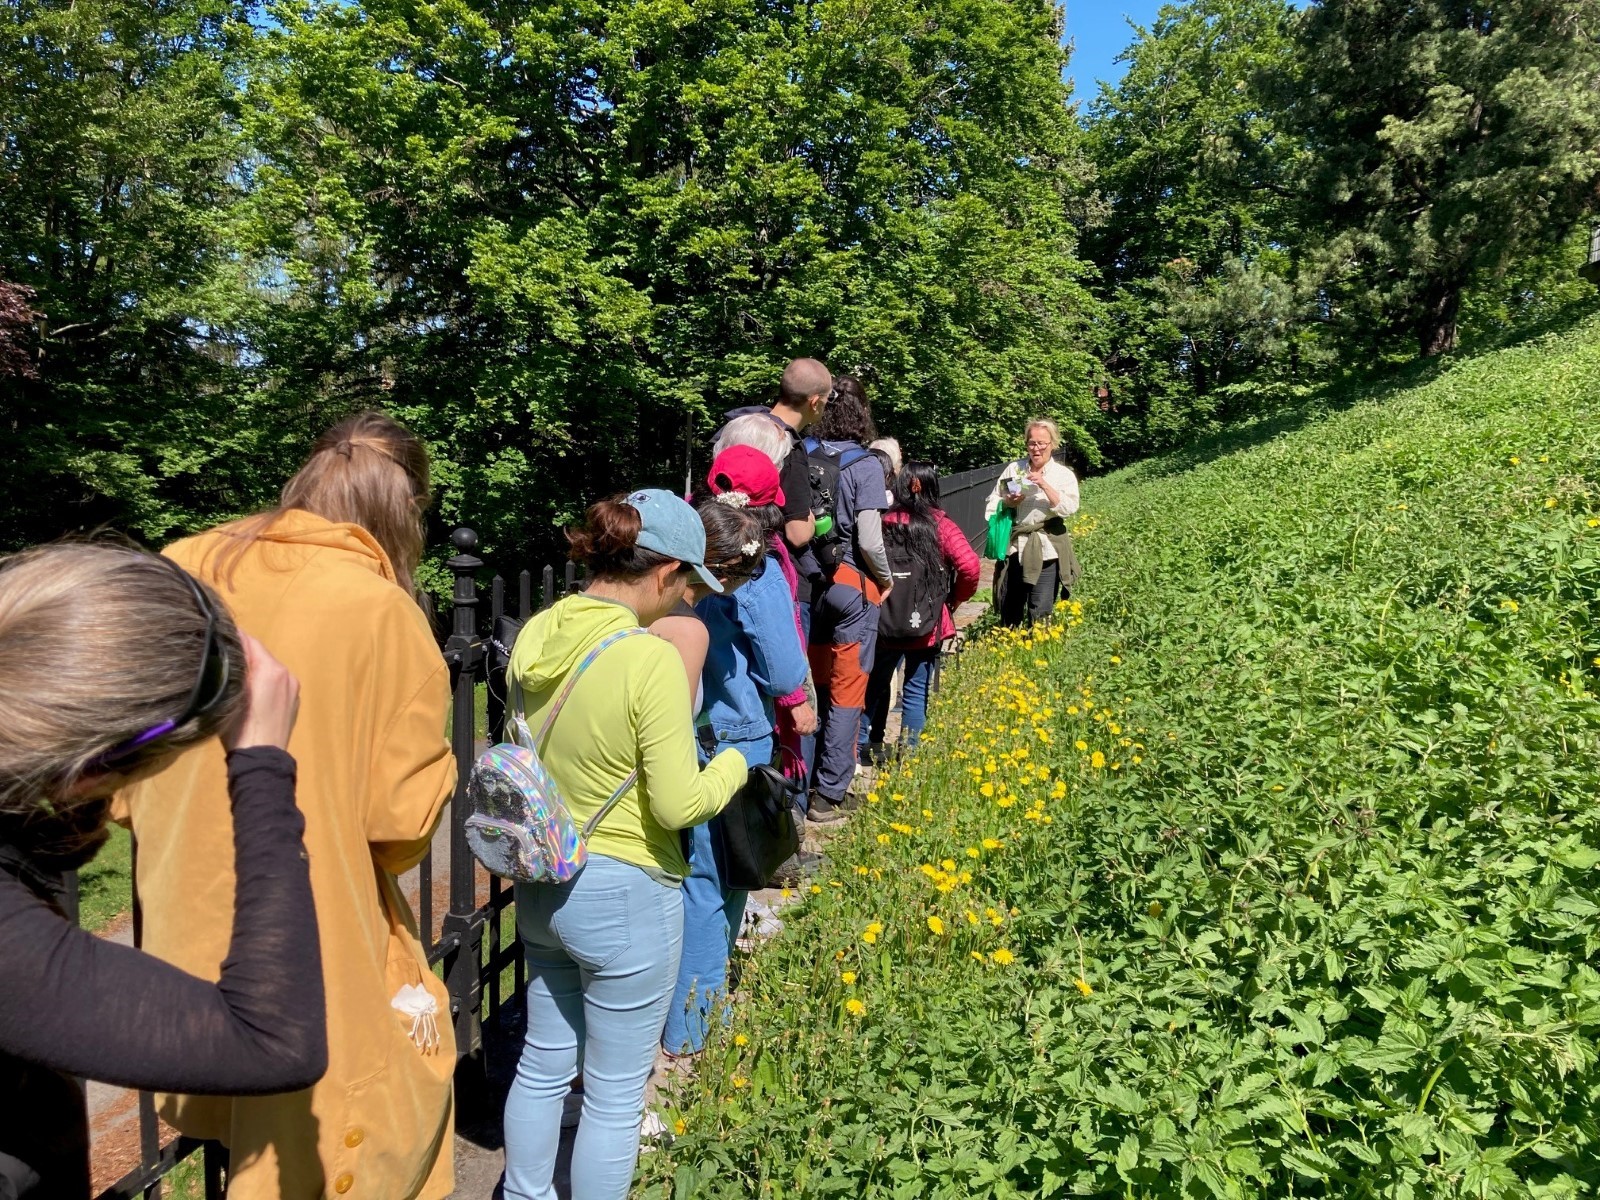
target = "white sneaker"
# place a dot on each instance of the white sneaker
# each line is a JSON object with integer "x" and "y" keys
{"x": 652, "y": 1130}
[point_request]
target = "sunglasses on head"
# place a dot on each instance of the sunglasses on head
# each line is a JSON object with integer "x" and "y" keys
{"x": 210, "y": 686}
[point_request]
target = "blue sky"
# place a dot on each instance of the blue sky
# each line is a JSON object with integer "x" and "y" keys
{"x": 1100, "y": 30}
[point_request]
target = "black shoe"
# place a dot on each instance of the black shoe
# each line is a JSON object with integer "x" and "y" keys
{"x": 824, "y": 811}
{"x": 796, "y": 869}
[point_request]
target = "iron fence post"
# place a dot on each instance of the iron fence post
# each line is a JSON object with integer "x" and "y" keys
{"x": 462, "y": 932}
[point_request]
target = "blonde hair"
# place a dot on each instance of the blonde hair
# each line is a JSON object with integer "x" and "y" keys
{"x": 758, "y": 431}
{"x": 99, "y": 642}
{"x": 368, "y": 470}
{"x": 1049, "y": 426}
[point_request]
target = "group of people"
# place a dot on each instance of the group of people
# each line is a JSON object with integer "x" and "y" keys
{"x": 265, "y": 707}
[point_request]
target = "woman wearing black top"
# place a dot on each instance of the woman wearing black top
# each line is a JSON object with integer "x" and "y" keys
{"x": 111, "y": 662}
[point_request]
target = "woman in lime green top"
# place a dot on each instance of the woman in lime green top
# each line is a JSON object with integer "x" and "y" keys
{"x": 603, "y": 948}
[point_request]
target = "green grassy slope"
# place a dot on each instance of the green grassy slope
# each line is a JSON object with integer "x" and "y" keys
{"x": 1275, "y": 873}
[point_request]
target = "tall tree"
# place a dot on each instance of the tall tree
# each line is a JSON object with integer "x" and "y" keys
{"x": 1450, "y": 139}
{"x": 117, "y": 157}
{"x": 1201, "y": 244}
{"x": 556, "y": 237}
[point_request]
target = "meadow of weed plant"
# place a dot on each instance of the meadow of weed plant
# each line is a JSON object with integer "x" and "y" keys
{"x": 1270, "y": 870}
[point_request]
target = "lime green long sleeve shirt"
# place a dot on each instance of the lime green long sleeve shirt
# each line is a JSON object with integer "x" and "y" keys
{"x": 631, "y": 708}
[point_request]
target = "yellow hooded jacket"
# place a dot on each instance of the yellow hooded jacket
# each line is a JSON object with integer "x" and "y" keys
{"x": 375, "y": 772}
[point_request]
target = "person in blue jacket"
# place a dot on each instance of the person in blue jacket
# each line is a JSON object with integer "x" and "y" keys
{"x": 754, "y": 655}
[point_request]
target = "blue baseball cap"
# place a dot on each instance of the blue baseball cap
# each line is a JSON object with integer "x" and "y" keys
{"x": 672, "y": 528}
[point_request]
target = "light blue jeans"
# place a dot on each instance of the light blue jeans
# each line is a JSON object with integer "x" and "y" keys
{"x": 602, "y": 952}
{"x": 711, "y": 918}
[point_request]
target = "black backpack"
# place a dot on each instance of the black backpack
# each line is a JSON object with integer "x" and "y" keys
{"x": 916, "y": 604}
{"x": 828, "y": 460}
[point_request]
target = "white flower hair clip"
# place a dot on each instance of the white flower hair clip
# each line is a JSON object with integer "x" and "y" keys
{"x": 749, "y": 548}
{"x": 734, "y": 499}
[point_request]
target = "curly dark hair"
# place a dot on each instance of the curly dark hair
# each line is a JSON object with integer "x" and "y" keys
{"x": 848, "y": 417}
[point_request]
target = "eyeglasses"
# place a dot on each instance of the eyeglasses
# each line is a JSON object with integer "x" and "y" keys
{"x": 1038, "y": 445}
{"x": 210, "y": 685}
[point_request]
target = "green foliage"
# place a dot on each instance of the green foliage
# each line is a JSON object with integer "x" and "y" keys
{"x": 1290, "y": 846}
{"x": 1201, "y": 247}
{"x": 1449, "y": 141}
{"x": 560, "y": 238}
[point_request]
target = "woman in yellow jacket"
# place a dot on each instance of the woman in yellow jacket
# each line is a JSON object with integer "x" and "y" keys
{"x": 602, "y": 947}
{"x": 324, "y": 582}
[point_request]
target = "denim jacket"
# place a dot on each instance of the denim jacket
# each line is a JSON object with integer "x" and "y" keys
{"x": 755, "y": 656}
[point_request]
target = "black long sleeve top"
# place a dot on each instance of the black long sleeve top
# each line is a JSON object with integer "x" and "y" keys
{"x": 72, "y": 1004}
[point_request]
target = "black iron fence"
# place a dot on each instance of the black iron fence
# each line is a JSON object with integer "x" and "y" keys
{"x": 464, "y": 915}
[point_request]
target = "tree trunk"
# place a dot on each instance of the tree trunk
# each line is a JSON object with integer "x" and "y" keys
{"x": 1436, "y": 325}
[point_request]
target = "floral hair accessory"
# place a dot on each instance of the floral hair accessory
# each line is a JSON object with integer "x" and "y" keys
{"x": 749, "y": 548}
{"x": 734, "y": 499}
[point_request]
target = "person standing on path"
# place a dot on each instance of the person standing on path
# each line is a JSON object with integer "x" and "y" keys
{"x": 844, "y": 622}
{"x": 71, "y": 732}
{"x": 938, "y": 558}
{"x": 754, "y": 657}
{"x": 325, "y": 582}
{"x": 803, "y": 394}
{"x": 1041, "y": 494}
{"x": 602, "y": 948}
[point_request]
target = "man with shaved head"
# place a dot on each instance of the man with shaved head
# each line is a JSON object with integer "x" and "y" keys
{"x": 803, "y": 394}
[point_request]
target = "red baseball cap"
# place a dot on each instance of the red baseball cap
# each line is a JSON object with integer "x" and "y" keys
{"x": 745, "y": 469}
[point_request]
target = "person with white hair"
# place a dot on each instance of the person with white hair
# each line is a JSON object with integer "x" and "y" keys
{"x": 1041, "y": 494}
{"x": 759, "y": 430}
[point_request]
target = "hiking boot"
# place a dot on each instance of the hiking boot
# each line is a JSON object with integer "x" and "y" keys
{"x": 824, "y": 811}
{"x": 796, "y": 869}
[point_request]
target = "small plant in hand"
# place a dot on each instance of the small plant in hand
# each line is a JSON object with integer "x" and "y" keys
{"x": 1271, "y": 869}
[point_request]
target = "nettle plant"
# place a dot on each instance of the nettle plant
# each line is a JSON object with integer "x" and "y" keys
{"x": 1273, "y": 869}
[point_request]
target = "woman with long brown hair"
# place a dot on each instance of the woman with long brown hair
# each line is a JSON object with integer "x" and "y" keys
{"x": 325, "y": 582}
{"x": 71, "y": 732}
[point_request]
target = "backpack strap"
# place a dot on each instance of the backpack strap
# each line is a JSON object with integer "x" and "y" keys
{"x": 600, "y": 647}
{"x": 603, "y": 644}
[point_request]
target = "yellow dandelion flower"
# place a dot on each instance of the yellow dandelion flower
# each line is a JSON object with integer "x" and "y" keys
{"x": 1003, "y": 956}
{"x": 1551, "y": 502}
{"x": 1515, "y": 461}
{"x": 861, "y": 870}
{"x": 739, "y": 1081}
{"x": 872, "y": 797}
{"x": 848, "y": 977}
{"x": 1083, "y": 986}
{"x": 855, "y": 1008}
{"x": 1081, "y": 745}
{"x": 739, "y": 1039}
{"x": 987, "y": 789}
{"x": 883, "y": 839}
{"x": 949, "y": 864}
{"x": 680, "y": 1127}
{"x": 965, "y": 877}
{"x": 972, "y": 917}
{"x": 1097, "y": 760}
{"x": 1116, "y": 661}
{"x": 1510, "y": 606}
{"x": 1006, "y": 801}
{"x": 786, "y": 893}
{"x": 991, "y": 843}
{"x": 935, "y": 924}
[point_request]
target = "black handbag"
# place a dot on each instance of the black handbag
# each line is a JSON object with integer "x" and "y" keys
{"x": 756, "y": 832}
